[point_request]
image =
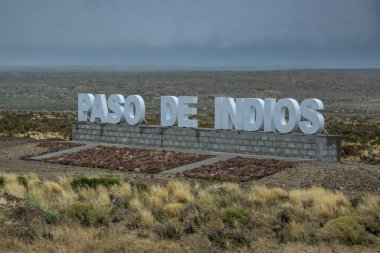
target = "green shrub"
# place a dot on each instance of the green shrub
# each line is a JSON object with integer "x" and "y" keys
{"x": 141, "y": 187}
{"x": 371, "y": 227}
{"x": 94, "y": 182}
{"x": 2, "y": 181}
{"x": 228, "y": 239}
{"x": 235, "y": 215}
{"x": 86, "y": 214}
{"x": 53, "y": 218}
{"x": 347, "y": 230}
{"x": 168, "y": 231}
{"x": 23, "y": 181}
{"x": 3, "y": 217}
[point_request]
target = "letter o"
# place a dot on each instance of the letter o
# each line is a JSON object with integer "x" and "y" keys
{"x": 134, "y": 110}
{"x": 279, "y": 120}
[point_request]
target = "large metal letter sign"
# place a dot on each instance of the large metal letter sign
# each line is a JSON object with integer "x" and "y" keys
{"x": 169, "y": 110}
{"x": 247, "y": 114}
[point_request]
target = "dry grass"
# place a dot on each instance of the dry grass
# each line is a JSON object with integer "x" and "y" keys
{"x": 147, "y": 219}
{"x": 182, "y": 217}
{"x": 325, "y": 204}
{"x": 260, "y": 195}
{"x": 98, "y": 197}
{"x": 124, "y": 191}
{"x": 173, "y": 209}
{"x": 13, "y": 187}
{"x": 181, "y": 191}
{"x": 135, "y": 204}
{"x": 370, "y": 206}
{"x": 52, "y": 188}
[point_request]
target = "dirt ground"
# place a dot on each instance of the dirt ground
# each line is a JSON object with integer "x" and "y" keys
{"x": 351, "y": 178}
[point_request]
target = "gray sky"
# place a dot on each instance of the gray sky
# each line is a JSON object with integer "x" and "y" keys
{"x": 191, "y": 33}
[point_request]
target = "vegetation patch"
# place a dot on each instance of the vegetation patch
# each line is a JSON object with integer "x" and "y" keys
{"x": 86, "y": 214}
{"x": 235, "y": 215}
{"x": 201, "y": 217}
{"x": 228, "y": 239}
{"x": 168, "y": 231}
{"x": 347, "y": 230}
{"x": 2, "y": 181}
{"x": 93, "y": 182}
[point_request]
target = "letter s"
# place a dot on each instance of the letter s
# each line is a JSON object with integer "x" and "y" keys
{"x": 315, "y": 120}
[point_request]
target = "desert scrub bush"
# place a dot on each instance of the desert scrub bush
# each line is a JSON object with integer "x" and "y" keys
{"x": 370, "y": 207}
{"x": 50, "y": 196}
{"x": 2, "y": 181}
{"x": 52, "y": 189}
{"x": 228, "y": 239}
{"x": 260, "y": 195}
{"x": 173, "y": 209}
{"x": 323, "y": 203}
{"x": 139, "y": 186}
{"x": 93, "y": 182}
{"x": 181, "y": 191}
{"x": 98, "y": 197}
{"x": 294, "y": 231}
{"x": 136, "y": 204}
{"x": 371, "y": 227}
{"x": 86, "y": 214}
{"x": 347, "y": 230}
{"x": 156, "y": 198}
{"x": 146, "y": 218}
{"x": 159, "y": 192}
{"x": 53, "y": 217}
{"x": 3, "y": 217}
{"x": 226, "y": 194}
{"x": 168, "y": 230}
{"x": 235, "y": 215}
{"x": 13, "y": 187}
{"x": 287, "y": 213}
{"x": 23, "y": 180}
{"x": 124, "y": 191}
{"x": 65, "y": 182}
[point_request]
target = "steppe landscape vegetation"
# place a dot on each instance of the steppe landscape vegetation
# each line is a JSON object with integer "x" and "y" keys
{"x": 117, "y": 215}
{"x": 310, "y": 207}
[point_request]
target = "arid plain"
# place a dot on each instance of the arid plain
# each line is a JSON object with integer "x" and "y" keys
{"x": 306, "y": 207}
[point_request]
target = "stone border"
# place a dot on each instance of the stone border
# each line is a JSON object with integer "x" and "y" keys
{"x": 325, "y": 148}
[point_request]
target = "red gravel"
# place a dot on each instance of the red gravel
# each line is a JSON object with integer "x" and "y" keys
{"x": 240, "y": 169}
{"x": 137, "y": 160}
{"x": 55, "y": 146}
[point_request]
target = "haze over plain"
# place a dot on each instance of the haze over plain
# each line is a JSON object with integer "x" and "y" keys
{"x": 191, "y": 34}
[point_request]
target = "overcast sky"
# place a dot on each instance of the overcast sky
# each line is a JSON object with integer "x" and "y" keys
{"x": 191, "y": 33}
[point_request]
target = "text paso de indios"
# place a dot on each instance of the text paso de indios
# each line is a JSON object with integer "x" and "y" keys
{"x": 247, "y": 114}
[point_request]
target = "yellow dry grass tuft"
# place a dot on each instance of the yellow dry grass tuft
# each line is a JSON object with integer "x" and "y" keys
{"x": 135, "y": 204}
{"x": 124, "y": 191}
{"x": 99, "y": 197}
{"x": 34, "y": 179}
{"x": 205, "y": 199}
{"x": 181, "y": 192}
{"x": 325, "y": 204}
{"x": 160, "y": 192}
{"x": 146, "y": 218}
{"x": 13, "y": 187}
{"x": 67, "y": 198}
{"x": 65, "y": 182}
{"x": 52, "y": 188}
{"x": 371, "y": 206}
{"x": 173, "y": 209}
{"x": 260, "y": 195}
{"x": 170, "y": 186}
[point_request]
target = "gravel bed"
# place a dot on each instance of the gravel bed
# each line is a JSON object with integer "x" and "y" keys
{"x": 240, "y": 169}
{"x": 127, "y": 159}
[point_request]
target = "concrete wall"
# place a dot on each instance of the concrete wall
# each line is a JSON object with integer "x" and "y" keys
{"x": 324, "y": 148}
